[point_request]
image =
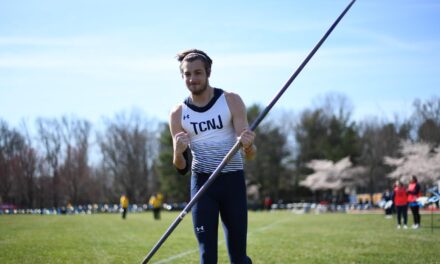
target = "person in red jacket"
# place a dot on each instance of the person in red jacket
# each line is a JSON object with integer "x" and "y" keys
{"x": 414, "y": 193}
{"x": 401, "y": 204}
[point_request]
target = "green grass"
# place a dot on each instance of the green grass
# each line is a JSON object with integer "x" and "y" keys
{"x": 279, "y": 237}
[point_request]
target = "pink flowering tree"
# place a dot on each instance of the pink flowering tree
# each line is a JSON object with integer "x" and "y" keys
{"x": 418, "y": 159}
{"x": 329, "y": 175}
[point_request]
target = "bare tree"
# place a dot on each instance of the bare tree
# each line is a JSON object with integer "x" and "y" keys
{"x": 11, "y": 142}
{"x": 429, "y": 110}
{"x": 49, "y": 134}
{"x": 427, "y": 119}
{"x": 24, "y": 171}
{"x": 75, "y": 168}
{"x": 335, "y": 104}
{"x": 27, "y": 173}
{"x": 126, "y": 148}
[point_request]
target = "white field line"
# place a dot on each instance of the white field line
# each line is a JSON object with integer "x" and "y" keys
{"x": 258, "y": 230}
{"x": 176, "y": 256}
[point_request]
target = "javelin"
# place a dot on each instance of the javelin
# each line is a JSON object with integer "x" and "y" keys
{"x": 237, "y": 145}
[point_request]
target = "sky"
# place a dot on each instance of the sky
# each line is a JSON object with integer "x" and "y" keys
{"x": 95, "y": 59}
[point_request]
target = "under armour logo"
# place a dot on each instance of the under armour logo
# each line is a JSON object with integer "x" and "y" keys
{"x": 186, "y": 116}
{"x": 200, "y": 229}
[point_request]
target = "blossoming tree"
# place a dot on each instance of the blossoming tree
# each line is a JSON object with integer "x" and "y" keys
{"x": 418, "y": 159}
{"x": 331, "y": 175}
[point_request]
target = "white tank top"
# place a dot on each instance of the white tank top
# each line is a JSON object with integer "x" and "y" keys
{"x": 212, "y": 134}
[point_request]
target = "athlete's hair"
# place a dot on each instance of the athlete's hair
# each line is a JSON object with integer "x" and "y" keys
{"x": 192, "y": 55}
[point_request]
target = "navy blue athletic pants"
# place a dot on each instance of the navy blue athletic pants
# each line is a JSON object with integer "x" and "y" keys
{"x": 226, "y": 196}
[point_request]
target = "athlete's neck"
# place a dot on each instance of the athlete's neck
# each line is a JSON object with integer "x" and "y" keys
{"x": 202, "y": 99}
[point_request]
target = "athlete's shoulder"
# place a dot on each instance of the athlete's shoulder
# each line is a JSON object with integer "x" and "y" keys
{"x": 175, "y": 119}
{"x": 230, "y": 94}
{"x": 177, "y": 109}
{"x": 176, "y": 112}
{"x": 233, "y": 99}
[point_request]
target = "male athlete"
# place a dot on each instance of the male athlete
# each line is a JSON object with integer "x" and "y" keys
{"x": 208, "y": 123}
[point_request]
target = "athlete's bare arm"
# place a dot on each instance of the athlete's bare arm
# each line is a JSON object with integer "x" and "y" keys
{"x": 241, "y": 125}
{"x": 180, "y": 138}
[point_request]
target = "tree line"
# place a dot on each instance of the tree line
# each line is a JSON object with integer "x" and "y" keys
{"x": 69, "y": 160}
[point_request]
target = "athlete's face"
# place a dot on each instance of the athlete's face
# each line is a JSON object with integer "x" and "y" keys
{"x": 195, "y": 77}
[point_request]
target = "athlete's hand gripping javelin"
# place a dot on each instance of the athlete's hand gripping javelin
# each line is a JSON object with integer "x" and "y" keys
{"x": 246, "y": 139}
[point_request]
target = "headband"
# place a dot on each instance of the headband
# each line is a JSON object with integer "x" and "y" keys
{"x": 195, "y": 54}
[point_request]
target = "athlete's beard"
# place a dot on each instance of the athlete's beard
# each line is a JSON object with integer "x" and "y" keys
{"x": 201, "y": 90}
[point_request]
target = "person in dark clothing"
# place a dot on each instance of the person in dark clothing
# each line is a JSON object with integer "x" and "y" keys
{"x": 387, "y": 199}
{"x": 414, "y": 193}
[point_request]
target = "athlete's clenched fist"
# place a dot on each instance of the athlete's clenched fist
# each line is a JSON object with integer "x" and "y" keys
{"x": 181, "y": 141}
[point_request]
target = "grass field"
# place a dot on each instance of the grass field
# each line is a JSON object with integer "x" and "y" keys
{"x": 276, "y": 237}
